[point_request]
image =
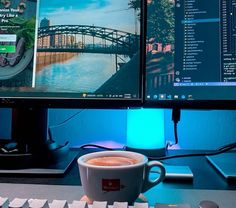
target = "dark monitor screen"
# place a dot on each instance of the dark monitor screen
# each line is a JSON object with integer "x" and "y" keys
{"x": 70, "y": 51}
{"x": 191, "y": 53}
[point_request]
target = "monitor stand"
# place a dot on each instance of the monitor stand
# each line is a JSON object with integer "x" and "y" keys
{"x": 34, "y": 153}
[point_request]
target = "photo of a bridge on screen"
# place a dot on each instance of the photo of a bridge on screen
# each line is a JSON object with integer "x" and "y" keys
{"x": 90, "y": 48}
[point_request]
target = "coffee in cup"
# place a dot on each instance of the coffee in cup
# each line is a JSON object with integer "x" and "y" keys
{"x": 117, "y": 175}
{"x": 111, "y": 161}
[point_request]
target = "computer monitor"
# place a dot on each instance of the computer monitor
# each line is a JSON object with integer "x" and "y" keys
{"x": 190, "y": 54}
{"x": 67, "y": 54}
{"x": 191, "y": 59}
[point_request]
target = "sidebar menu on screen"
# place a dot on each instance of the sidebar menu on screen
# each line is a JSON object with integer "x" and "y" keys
{"x": 197, "y": 43}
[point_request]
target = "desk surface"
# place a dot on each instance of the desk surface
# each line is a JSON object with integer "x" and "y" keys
{"x": 205, "y": 176}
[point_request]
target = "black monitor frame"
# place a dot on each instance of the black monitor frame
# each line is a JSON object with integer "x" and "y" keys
{"x": 192, "y": 104}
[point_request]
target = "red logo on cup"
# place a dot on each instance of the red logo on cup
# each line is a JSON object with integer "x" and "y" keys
{"x": 111, "y": 184}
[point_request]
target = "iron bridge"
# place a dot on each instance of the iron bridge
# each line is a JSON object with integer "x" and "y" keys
{"x": 113, "y": 41}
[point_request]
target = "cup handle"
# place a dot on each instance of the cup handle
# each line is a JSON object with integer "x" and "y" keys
{"x": 150, "y": 183}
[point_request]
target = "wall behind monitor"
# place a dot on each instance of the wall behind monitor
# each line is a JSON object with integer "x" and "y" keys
{"x": 203, "y": 129}
{"x": 197, "y": 129}
{"x": 105, "y": 127}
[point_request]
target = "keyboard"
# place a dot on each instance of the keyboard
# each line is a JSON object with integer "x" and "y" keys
{"x": 70, "y": 195}
{"x": 43, "y": 203}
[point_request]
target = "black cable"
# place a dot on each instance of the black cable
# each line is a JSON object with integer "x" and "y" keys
{"x": 175, "y": 119}
{"x": 216, "y": 152}
{"x": 220, "y": 150}
{"x": 95, "y": 145}
{"x": 62, "y": 123}
{"x": 68, "y": 119}
{"x": 176, "y": 133}
{"x": 227, "y": 146}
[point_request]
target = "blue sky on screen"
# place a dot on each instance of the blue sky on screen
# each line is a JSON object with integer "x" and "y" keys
{"x": 76, "y": 4}
{"x": 114, "y": 14}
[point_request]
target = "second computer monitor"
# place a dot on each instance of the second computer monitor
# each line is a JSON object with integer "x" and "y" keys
{"x": 191, "y": 53}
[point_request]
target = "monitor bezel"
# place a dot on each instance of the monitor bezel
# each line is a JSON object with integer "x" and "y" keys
{"x": 24, "y": 100}
{"x": 192, "y": 104}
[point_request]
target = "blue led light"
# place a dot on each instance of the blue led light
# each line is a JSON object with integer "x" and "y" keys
{"x": 145, "y": 128}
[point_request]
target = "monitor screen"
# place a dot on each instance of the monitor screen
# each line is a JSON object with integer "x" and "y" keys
{"x": 190, "y": 53}
{"x": 70, "y": 51}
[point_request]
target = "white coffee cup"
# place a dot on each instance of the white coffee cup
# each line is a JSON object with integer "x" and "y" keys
{"x": 117, "y": 183}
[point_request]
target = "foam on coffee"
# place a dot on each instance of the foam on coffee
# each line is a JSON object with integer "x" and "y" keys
{"x": 111, "y": 161}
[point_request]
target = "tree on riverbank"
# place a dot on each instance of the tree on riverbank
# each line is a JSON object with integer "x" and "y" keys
{"x": 160, "y": 19}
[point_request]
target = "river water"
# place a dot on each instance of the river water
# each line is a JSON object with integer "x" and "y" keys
{"x": 83, "y": 73}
